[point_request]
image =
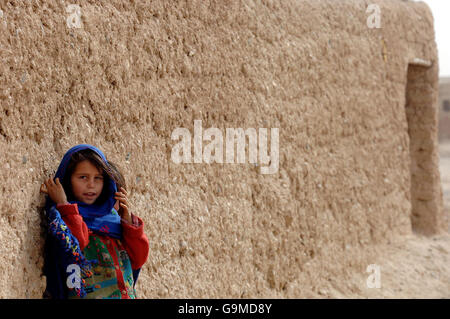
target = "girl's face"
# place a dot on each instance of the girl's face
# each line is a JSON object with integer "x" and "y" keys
{"x": 87, "y": 182}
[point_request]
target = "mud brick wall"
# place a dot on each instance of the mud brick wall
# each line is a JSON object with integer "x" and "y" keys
{"x": 134, "y": 71}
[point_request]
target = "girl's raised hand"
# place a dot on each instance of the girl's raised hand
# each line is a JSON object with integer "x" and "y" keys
{"x": 55, "y": 190}
{"x": 124, "y": 205}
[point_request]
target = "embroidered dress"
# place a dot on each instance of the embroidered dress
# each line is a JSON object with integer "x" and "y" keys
{"x": 65, "y": 248}
{"x": 112, "y": 261}
{"x": 112, "y": 275}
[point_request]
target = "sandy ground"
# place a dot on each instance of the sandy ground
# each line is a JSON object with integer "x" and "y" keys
{"x": 444, "y": 149}
{"x": 417, "y": 266}
{"x": 413, "y": 267}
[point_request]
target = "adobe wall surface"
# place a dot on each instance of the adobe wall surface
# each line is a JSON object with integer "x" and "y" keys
{"x": 135, "y": 71}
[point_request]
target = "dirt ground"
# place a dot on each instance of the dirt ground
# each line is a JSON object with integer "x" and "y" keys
{"x": 444, "y": 149}
{"x": 417, "y": 266}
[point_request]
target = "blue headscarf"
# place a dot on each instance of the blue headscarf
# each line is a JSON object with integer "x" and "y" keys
{"x": 101, "y": 218}
{"x": 62, "y": 247}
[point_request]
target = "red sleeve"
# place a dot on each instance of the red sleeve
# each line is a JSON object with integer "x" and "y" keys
{"x": 73, "y": 220}
{"x": 135, "y": 242}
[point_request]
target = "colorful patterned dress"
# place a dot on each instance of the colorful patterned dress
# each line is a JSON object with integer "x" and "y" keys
{"x": 112, "y": 260}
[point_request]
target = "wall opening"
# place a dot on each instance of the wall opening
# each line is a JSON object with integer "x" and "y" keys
{"x": 421, "y": 113}
{"x": 446, "y": 106}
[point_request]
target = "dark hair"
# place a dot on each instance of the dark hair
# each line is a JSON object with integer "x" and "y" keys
{"x": 118, "y": 177}
{"x": 105, "y": 169}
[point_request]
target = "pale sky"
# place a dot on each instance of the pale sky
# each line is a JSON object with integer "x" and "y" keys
{"x": 441, "y": 13}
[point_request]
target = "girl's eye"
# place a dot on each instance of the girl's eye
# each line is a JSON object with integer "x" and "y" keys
{"x": 99, "y": 178}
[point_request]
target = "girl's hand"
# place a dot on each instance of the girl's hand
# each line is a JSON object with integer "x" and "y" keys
{"x": 124, "y": 205}
{"x": 54, "y": 190}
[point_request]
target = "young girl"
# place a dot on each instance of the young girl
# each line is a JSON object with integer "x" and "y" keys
{"x": 92, "y": 234}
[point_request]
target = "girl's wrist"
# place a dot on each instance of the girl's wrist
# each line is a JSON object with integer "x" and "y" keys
{"x": 127, "y": 218}
{"x": 62, "y": 203}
